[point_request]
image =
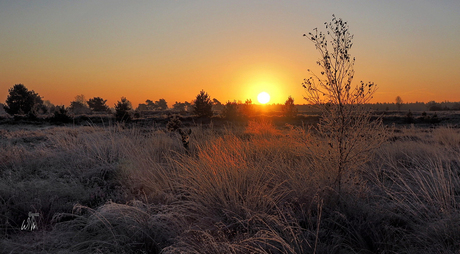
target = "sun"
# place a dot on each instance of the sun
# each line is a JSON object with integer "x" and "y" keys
{"x": 263, "y": 97}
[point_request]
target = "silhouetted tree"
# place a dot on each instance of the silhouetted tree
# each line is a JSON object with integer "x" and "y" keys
{"x": 289, "y": 109}
{"x": 79, "y": 105}
{"x": 97, "y": 104}
{"x": 346, "y": 122}
{"x": 161, "y": 104}
{"x": 150, "y": 105}
{"x": 22, "y": 101}
{"x": 203, "y": 105}
{"x": 179, "y": 106}
{"x": 123, "y": 110}
{"x": 399, "y": 103}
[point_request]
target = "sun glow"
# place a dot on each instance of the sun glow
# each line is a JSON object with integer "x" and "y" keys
{"x": 263, "y": 97}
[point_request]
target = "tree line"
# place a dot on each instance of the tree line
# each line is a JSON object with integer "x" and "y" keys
{"x": 24, "y": 102}
{"x": 399, "y": 105}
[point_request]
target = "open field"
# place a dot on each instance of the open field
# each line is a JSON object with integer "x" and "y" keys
{"x": 259, "y": 187}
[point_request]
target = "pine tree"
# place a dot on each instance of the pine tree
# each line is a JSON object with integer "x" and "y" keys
{"x": 203, "y": 105}
{"x": 22, "y": 101}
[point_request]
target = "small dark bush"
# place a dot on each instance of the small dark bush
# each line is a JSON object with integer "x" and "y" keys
{"x": 409, "y": 117}
{"x": 174, "y": 124}
{"x": 435, "y": 119}
{"x": 61, "y": 115}
{"x": 230, "y": 111}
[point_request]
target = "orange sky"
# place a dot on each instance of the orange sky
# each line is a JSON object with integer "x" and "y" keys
{"x": 234, "y": 51}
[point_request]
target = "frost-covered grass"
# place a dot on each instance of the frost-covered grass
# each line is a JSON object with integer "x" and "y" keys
{"x": 253, "y": 189}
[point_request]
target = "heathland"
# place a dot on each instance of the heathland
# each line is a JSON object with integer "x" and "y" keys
{"x": 253, "y": 186}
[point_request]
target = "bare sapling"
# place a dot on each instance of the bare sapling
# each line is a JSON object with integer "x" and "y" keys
{"x": 347, "y": 133}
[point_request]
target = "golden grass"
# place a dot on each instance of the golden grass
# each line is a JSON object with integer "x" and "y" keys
{"x": 256, "y": 189}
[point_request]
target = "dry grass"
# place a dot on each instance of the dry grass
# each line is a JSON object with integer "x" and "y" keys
{"x": 256, "y": 189}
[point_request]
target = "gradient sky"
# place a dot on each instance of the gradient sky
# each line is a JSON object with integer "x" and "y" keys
{"x": 233, "y": 50}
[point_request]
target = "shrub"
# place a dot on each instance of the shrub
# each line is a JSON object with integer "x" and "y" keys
{"x": 61, "y": 115}
{"x": 174, "y": 124}
{"x": 230, "y": 111}
{"x": 409, "y": 117}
